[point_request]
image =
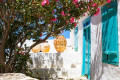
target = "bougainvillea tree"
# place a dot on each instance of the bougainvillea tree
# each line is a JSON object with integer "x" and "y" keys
{"x": 22, "y": 20}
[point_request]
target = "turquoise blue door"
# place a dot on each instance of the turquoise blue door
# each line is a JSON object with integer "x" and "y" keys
{"x": 86, "y": 48}
{"x": 110, "y": 34}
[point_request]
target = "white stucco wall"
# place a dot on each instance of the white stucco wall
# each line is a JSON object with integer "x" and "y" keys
{"x": 96, "y": 47}
{"x": 72, "y": 38}
{"x": 62, "y": 65}
{"x": 53, "y": 64}
{"x": 119, "y": 29}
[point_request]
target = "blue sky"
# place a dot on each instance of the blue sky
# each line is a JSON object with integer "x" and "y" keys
{"x": 65, "y": 33}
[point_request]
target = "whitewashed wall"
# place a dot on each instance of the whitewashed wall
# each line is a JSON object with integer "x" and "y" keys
{"x": 62, "y": 65}
{"x": 96, "y": 47}
{"x": 53, "y": 64}
{"x": 119, "y": 29}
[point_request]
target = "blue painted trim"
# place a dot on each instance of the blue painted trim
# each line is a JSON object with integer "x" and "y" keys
{"x": 76, "y": 39}
{"x": 86, "y": 64}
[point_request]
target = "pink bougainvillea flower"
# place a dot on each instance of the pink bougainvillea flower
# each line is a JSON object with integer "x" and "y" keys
{"x": 77, "y": 5}
{"x": 94, "y": 5}
{"x": 19, "y": 52}
{"x": 83, "y": 14}
{"x": 68, "y": 14}
{"x": 75, "y": 24}
{"x": 22, "y": 53}
{"x": 61, "y": 31}
{"x": 81, "y": 8}
{"x": 44, "y": 2}
{"x": 62, "y": 13}
{"x": 98, "y": 10}
{"x": 54, "y": 19}
{"x": 72, "y": 20}
{"x": 75, "y": 1}
{"x": 108, "y": 1}
{"x": 88, "y": 8}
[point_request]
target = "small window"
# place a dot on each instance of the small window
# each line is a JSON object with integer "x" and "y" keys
{"x": 76, "y": 38}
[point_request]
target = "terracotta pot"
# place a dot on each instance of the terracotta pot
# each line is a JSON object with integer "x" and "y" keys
{"x": 45, "y": 47}
{"x": 60, "y": 43}
{"x": 36, "y": 49}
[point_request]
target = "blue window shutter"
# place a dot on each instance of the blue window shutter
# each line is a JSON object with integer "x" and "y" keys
{"x": 110, "y": 34}
{"x": 76, "y": 39}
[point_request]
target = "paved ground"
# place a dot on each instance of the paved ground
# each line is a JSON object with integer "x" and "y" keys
{"x": 15, "y": 76}
{"x": 110, "y": 72}
{"x": 20, "y": 76}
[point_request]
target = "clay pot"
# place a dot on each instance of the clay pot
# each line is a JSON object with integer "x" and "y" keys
{"x": 36, "y": 49}
{"x": 60, "y": 43}
{"x": 45, "y": 47}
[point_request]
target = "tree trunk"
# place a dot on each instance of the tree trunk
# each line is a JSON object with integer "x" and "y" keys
{"x": 2, "y": 68}
{"x": 2, "y": 59}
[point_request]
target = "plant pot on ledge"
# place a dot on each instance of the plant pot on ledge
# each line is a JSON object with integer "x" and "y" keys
{"x": 45, "y": 47}
{"x": 36, "y": 49}
{"x": 60, "y": 43}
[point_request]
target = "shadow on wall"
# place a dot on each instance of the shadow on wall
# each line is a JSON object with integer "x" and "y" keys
{"x": 96, "y": 61}
{"x": 47, "y": 65}
{"x": 96, "y": 48}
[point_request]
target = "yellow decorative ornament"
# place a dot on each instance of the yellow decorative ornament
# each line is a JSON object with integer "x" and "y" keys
{"x": 60, "y": 43}
{"x": 36, "y": 49}
{"x": 45, "y": 47}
